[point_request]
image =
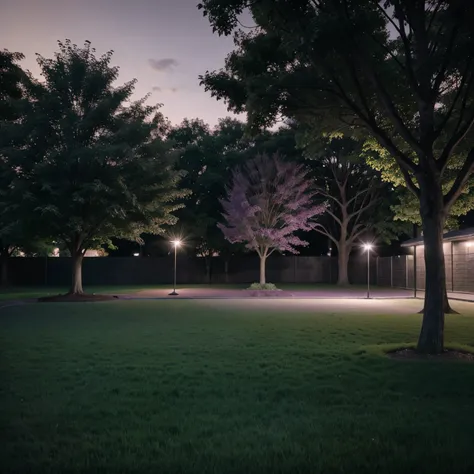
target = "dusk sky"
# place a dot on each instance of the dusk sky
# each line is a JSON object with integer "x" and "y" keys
{"x": 164, "y": 44}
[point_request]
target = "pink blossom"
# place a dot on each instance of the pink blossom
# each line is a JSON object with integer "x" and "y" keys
{"x": 269, "y": 199}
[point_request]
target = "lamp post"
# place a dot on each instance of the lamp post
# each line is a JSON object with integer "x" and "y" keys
{"x": 368, "y": 248}
{"x": 176, "y": 244}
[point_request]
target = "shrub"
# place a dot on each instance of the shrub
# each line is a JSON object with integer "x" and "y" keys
{"x": 265, "y": 286}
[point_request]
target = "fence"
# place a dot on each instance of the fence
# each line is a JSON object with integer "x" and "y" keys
{"x": 399, "y": 271}
{"x": 150, "y": 271}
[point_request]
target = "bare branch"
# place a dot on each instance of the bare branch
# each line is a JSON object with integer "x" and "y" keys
{"x": 356, "y": 235}
{"x": 328, "y": 195}
{"x": 328, "y": 211}
{"x": 321, "y": 229}
{"x": 359, "y": 193}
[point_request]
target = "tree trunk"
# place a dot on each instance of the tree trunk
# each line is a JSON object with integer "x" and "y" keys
{"x": 226, "y": 270}
{"x": 3, "y": 270}
{"x": 342, "y": 263}
{"x": 208, "y": 269}
{"x": 76, "y": 287}
{"x": 446, "y": 306}
{"x": 263, "y": 261}
{"x": 431, "y": 340}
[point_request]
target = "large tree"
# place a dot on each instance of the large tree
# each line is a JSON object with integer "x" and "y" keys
{"x": 358, "y": 202}
{"x": 398, "y": 70}
{"x": 269, "y": 200}
{"x": 96, "y": 165}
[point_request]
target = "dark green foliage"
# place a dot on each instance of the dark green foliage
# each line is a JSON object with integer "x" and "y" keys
{"x": 399, "y": 72}
{"x": 96, "y": 165}
{"x": 227, "y": 387}
{"x": 12, "y": 77}
{"x": 207, "y": 156}
{"x": 16, "y": 232}
{"x": 11, "y": 93}
{"x": 408, "y": 209}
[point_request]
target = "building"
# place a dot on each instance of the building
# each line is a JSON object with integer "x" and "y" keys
{"x": 459, "y": 261}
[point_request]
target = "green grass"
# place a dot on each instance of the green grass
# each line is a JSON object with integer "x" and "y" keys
{"x": 228, "y": 387}
{"x": 30, "y": 292}
{"x": 27, "y": 292}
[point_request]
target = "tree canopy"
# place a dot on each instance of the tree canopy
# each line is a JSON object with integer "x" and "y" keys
{"x": 358, "y": 202}
{"x": 15, "y": 231}
{"x": 268, "y": 201}
{"x": 400, "y": 71}
{"x": 96, "y": 164}
{"x": 207, "y": 157}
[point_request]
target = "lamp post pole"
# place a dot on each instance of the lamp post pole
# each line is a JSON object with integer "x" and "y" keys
{"x": 175, "y": 258}
{"x": 368, "y": 247}
{"x": 176, "y": 244}
{"x": 368, "y": 272}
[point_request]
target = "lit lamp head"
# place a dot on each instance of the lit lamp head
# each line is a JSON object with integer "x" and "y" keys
{"x": 176, "y": 243}
{"x": 368, "y": 247}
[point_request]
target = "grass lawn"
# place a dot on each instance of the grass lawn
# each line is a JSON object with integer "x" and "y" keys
{"x": 228, "y": 386}
{"x": 25, "y": 292}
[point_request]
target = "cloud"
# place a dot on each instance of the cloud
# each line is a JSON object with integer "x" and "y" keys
{"x": 165, "y": 89}
{"x": 165, "y": 64}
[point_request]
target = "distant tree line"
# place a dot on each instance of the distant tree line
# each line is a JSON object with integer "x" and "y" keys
{"x": 83, "y": 165}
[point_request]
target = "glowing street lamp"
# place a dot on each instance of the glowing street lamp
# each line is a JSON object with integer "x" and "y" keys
{"x": 368, "y": 248}
{"x": 176, "y": 244}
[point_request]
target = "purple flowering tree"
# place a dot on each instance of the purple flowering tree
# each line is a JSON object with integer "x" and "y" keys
{"x": 267, "y": 202}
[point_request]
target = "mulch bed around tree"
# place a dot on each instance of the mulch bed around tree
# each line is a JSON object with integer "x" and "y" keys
{"x": 449, "y": 354}
{"x": 86, "y": 298}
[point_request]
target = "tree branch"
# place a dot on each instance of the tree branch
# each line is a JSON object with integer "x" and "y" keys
{"x": 463, "y": 176}
{"x": 380, "y": 133}
{"x": 328, "y": 195}
{"x": 321, "y": 229}
{"x": 356, "y": 235}
{"x": 456, "y": 97}
{"x": 409, "y": 182}
{"x": 454, "y": 141}
{"x": 397, "y": 121}
{"x": 328, "y": 211}
{"x": 447, "y": 57}
{"x": 406, "y": 44}
{"x": 365, "y": 190}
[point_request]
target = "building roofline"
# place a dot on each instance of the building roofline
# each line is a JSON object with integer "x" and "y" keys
{"x": 452, "y": 236}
